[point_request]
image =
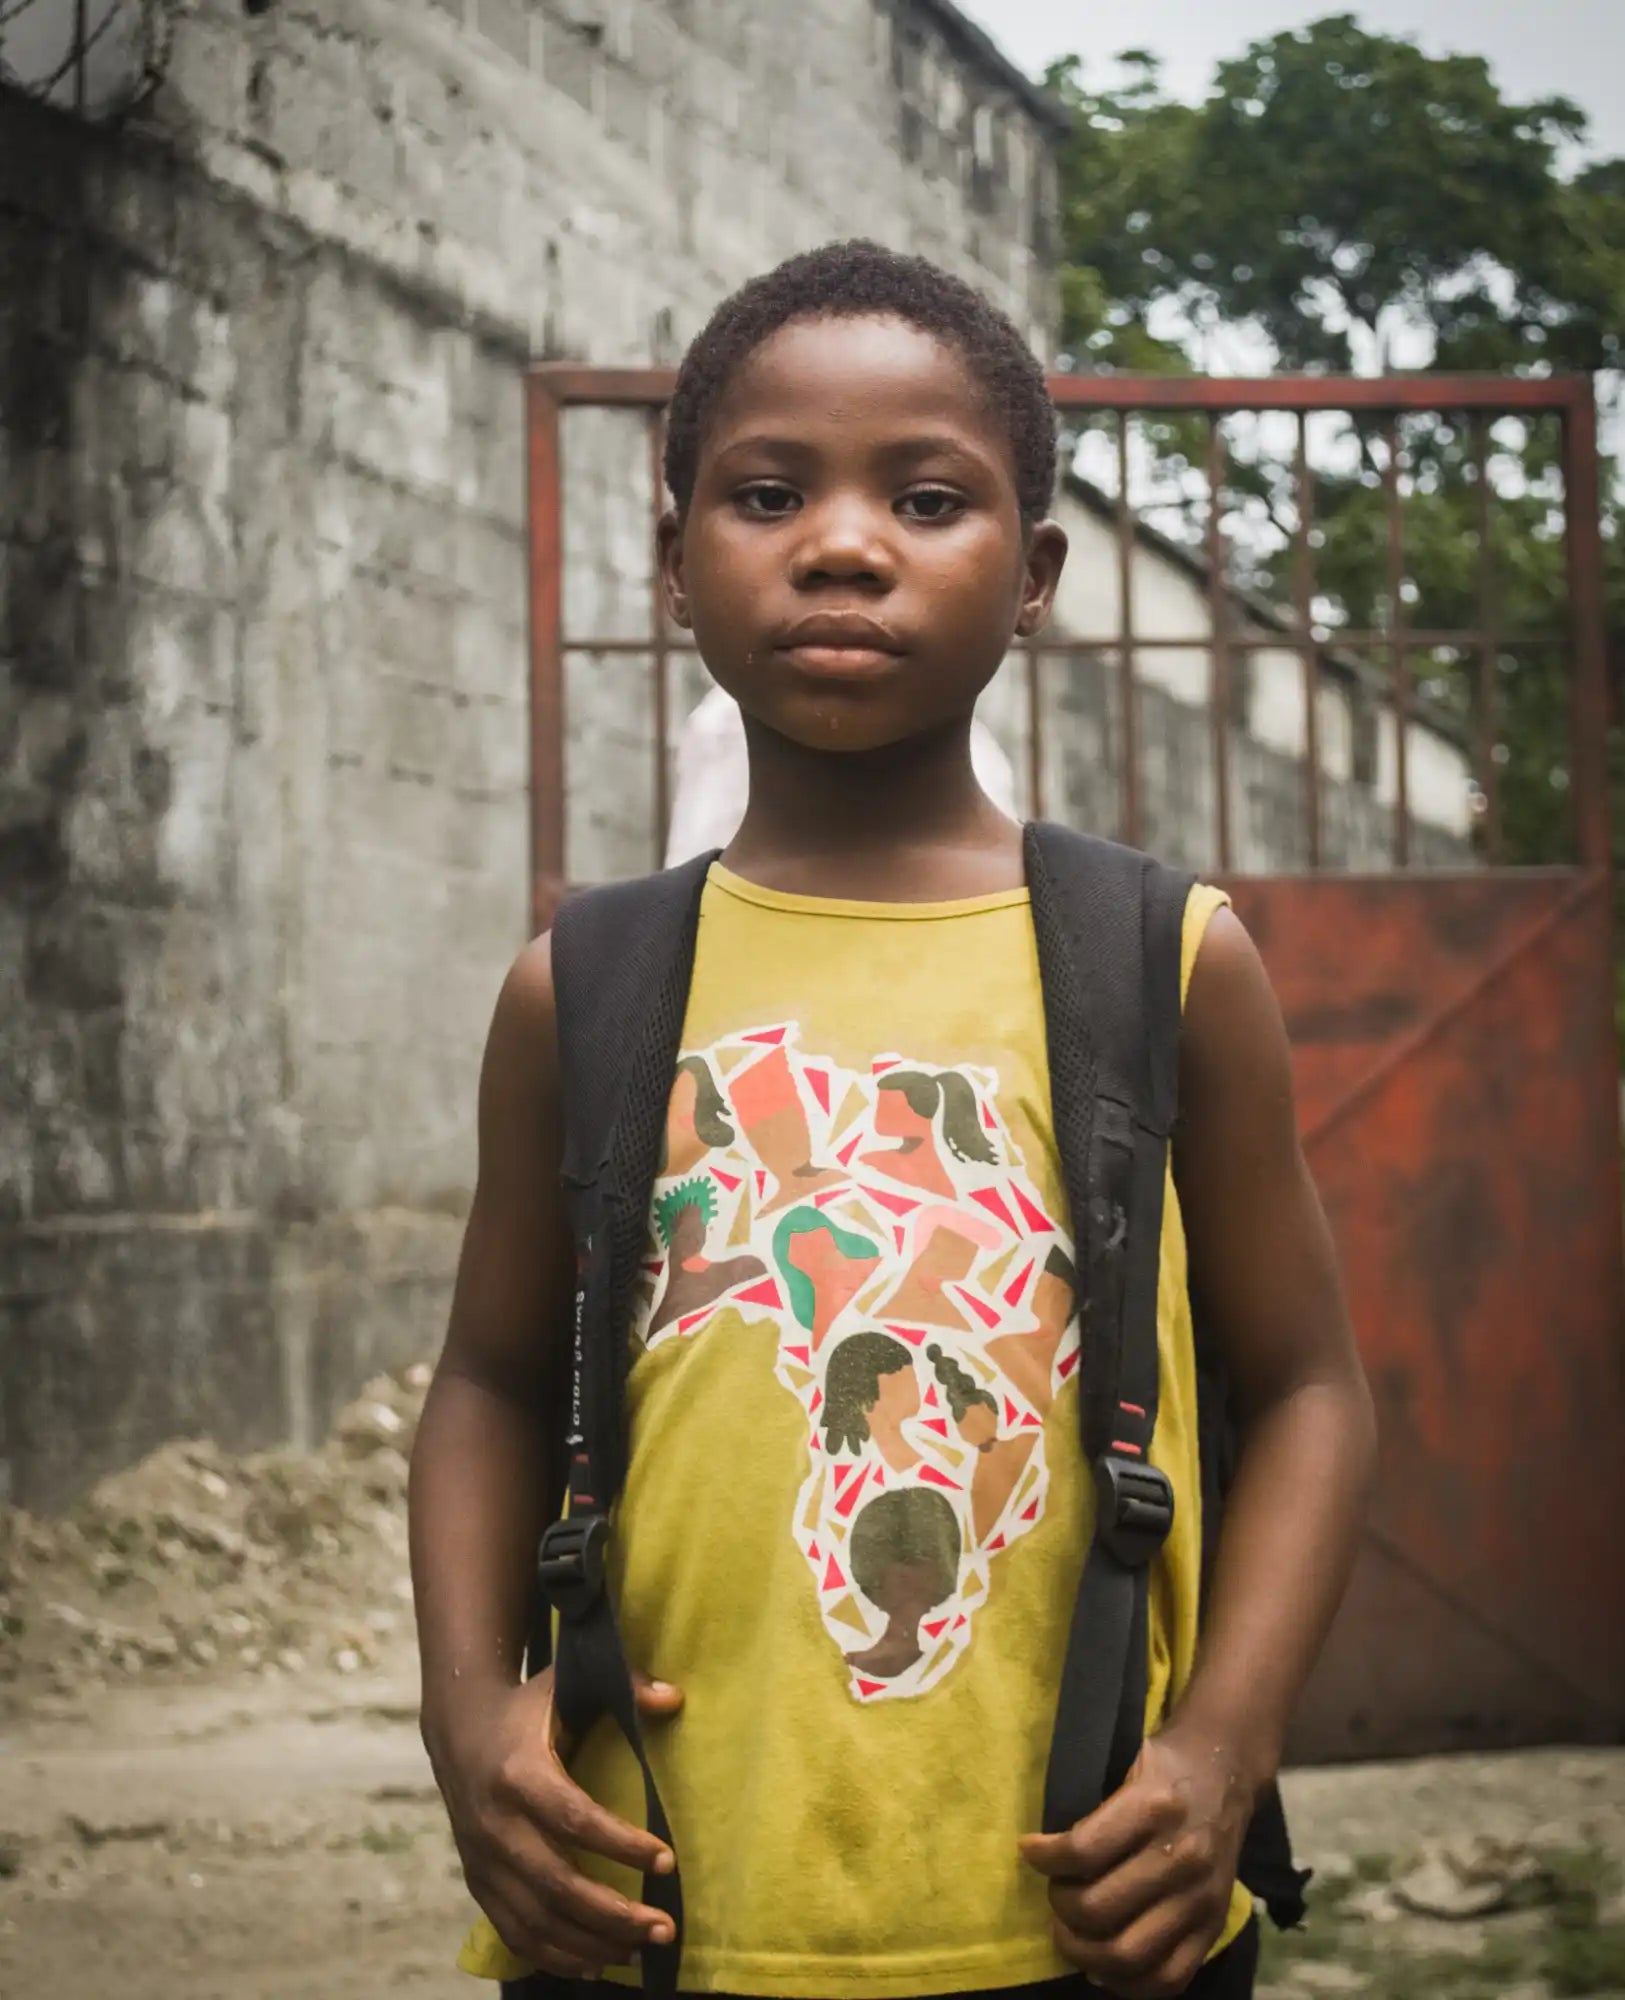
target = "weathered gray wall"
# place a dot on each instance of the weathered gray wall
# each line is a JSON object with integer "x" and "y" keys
{"x": 263, "y": 831}
{"x": 262, "y": 811}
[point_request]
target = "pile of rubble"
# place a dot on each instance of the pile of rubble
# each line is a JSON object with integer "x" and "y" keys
{"x": 195, "y": 1561}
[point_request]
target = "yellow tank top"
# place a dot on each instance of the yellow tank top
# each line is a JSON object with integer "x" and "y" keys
{"x": 857, "y": 1510}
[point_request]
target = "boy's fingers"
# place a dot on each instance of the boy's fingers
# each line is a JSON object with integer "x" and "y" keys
{"x": 1156, "y": 1956}
{"x": 603, "y": 1911}
{"x": 656, "y": 1697}
{"x": 523, "y": 1927}
{"x": 1106, "y": 1906}
{"x": 611, "y": 1919}
{"x": 552, "y": 1883}
{"x": 559, "y": 1902}
{"x": 566, "y": 1815}
{"x": 586, "y": 1945}
{"x": 1112, "y": 1832}
{"x": 1046, "y": 1853}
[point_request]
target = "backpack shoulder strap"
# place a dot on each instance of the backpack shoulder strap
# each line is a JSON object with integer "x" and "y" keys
{"x": 620, "y": 952}
{"x": 623, "y": 957}
{"x": 1108, "y": 923}
{"x": 1118, "y": 915}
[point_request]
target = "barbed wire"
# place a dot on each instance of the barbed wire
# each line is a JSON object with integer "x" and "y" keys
{"x": 80, "y": 48}
{"x": 157, "y": 41}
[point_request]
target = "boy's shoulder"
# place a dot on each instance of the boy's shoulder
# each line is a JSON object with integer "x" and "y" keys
{"x": 522, "y": 1043}
{"x": 1230, "y": 991}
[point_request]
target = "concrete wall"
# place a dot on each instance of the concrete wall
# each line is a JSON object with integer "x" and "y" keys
{"x": 262, "y": 811}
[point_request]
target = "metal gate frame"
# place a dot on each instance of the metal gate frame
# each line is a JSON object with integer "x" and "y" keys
{"x": 553, "y": 388}
{"x": 1457, "y": 1077}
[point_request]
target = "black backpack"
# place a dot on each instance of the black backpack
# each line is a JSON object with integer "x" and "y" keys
{"x": 1108, "y": 924}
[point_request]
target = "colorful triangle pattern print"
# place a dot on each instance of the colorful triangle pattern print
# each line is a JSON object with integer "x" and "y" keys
{"x": 925, "y": 1305}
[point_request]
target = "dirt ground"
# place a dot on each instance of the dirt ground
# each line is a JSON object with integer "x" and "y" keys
{"x": 211, "y": 1786}
{"x": 282, "y": 1840}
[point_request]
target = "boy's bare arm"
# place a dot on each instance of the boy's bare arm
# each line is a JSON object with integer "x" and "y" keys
{"x": 481, "y": 1492}
{"x": 481, "y": 1489}
{"x": 1264, "y": 1272}
{"x": 1141, "y": 1888}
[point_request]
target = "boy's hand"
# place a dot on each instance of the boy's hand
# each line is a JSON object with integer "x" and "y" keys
{"x": 1141, "y": 1888}
{"x": 516, "y": 1813}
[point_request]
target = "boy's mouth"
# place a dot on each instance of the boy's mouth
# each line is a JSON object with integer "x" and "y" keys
{"x": 837, "y": 643}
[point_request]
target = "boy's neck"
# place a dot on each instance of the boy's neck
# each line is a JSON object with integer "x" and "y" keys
{"x": 906, "y": 823}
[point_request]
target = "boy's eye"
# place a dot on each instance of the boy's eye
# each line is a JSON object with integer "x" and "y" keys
{"x": 768, "y": 500}
{"x": 930, "y": 503}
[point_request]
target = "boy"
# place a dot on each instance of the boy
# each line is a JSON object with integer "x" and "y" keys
{"x": 847, "y": 1629}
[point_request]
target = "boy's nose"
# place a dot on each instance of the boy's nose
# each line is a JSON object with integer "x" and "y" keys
{"x": 842, "y": 545}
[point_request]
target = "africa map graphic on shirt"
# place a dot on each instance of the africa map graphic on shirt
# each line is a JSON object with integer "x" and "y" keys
{"x": 923, "y": 1300}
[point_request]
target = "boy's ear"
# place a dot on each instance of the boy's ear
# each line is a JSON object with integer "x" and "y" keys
{"x": 1046, "y": 557}
{"x": 669, "y": 553}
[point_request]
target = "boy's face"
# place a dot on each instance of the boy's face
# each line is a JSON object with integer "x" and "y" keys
{"x": 852, "y": 562}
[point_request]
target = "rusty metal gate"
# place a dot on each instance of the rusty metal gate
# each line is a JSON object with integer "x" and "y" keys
{"x": 1451, "y": 1017}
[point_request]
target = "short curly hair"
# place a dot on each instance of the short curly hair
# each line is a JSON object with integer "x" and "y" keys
{"x": 859, "y": 279}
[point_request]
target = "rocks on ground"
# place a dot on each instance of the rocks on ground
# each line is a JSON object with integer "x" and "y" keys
{"x": 196, "y": 1562}
{"x": 1472, "y": 1916}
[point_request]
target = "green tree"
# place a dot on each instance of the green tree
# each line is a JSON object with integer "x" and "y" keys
{"x": 1353, "y": 204}
{"x": 1335, "y": 188}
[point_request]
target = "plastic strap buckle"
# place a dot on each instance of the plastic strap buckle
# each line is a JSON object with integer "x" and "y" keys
{"x": 1134, "y": 1508}
{"x": 570, "y": 1563}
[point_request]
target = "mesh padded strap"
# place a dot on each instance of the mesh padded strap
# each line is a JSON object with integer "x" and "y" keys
{"x": 1120, "y": 917}
{"x": 623, "y": 957}
{"x": 613, "y": 952}
{"x": 1070, "y": 1056}
{"x": 1090, "y": 894}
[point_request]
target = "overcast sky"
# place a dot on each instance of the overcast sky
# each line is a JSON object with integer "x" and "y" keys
{"x": 1536, "y": 47}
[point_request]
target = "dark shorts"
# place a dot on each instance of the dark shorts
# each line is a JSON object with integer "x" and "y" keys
{"x": 1230, "y": 1976}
